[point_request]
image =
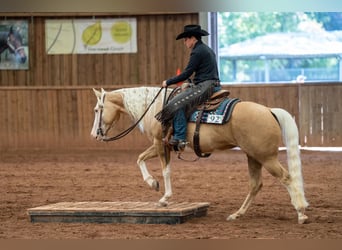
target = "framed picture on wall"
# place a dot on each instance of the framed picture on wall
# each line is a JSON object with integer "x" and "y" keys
{"x": 14, "y": 52}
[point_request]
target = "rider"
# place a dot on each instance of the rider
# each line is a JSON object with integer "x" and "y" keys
{"x": 202, "y": 62}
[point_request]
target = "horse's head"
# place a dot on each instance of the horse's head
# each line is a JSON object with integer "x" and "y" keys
{"x": 107, "y": 110}
{"x": 14, "y": 43}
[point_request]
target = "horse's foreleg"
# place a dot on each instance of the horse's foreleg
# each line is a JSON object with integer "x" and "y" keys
{"x": 164, "y": 156}
{"x": 168, "y": 188}
{"x": 151, "y": 152}
{"x": 255, "y": 183}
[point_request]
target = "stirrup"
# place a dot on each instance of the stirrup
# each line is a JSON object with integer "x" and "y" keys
{"x": 179, "y": 146}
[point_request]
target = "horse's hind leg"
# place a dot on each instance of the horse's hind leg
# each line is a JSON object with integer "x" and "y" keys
{"x": 151, "y": 152}
{"x": 255, "y": 184}
{"x": 298, "y": 201}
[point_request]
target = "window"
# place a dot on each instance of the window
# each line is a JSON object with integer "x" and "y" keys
{"x": 254, "y": 47}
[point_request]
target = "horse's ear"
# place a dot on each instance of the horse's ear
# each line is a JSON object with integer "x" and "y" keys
{"x": 11, "y": 30}
{"x": 102, "y": 90}
{"x": 97, "y": 93}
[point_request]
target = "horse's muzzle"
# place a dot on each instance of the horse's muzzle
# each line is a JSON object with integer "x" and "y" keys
{"x": 23, "y": 59}
{"x": 20, "y": 58}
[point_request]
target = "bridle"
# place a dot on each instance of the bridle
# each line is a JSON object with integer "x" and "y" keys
{"x": 100, "y": 131}
{"x": 17, "y": 41}
{"x": 12, "y": 47}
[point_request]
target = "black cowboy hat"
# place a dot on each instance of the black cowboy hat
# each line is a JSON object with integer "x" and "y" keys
{"x": 192, "y": 30}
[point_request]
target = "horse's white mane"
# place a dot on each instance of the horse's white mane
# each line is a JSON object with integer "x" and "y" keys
{"x": 136, "y": 100}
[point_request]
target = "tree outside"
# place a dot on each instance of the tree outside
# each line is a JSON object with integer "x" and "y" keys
{"x": 238, "y": 27}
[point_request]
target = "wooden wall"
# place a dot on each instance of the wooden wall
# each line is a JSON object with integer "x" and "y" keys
{"x": 316, "y": 107}
{"x": 57, "y": 118}
{"x": 50, "y": 106}
{"x": 320, "y": 108}
{"x": 158, "y": 57}
{"x": 53, "y": 118}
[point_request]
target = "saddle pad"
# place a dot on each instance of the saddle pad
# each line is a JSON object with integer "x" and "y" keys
{"x": 219, "y": 116}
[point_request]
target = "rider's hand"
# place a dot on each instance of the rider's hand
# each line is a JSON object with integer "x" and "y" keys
{"x": 164, "y": 85}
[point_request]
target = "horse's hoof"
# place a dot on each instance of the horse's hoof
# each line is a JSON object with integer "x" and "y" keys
{"x": 231, "y": 217}
{"x": 163, "y": 203}
{"x": 303, "y": 219}
{"x": 155, "y": 185}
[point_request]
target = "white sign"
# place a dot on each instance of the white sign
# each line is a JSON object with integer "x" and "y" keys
{"x": 91, "y": 36}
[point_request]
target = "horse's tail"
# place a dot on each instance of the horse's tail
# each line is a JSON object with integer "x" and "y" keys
{"x": 291, "y": 141}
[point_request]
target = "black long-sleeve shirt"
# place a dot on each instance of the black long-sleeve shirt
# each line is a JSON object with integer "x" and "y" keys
{"x": 202, "y": 61}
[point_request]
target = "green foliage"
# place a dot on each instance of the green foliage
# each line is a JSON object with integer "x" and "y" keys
{"x": 235, "y": 27}
{"x": 329, "y": 20}
{"x": 238, "y": 26}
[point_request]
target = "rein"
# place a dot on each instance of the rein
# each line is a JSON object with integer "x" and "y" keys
{"x": 127, "y": 131}
{"x": 179, "y": 156}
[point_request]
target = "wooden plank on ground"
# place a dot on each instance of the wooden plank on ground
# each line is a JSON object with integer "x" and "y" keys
{"x": 118, "y": 212}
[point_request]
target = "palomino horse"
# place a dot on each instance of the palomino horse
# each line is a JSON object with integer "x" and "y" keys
{"x": 13, "y": 41}
{"x": 256, "y": 129}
